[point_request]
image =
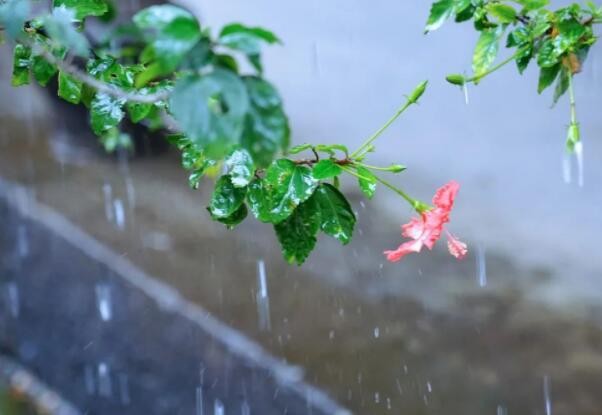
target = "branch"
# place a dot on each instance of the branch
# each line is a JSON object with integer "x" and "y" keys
{"x": 103, "y": 86}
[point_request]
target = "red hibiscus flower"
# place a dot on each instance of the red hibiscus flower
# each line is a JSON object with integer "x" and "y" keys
{"x": 427, "y": 229}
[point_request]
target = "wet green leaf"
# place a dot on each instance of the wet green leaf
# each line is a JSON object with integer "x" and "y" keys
{"x": 266, "y": 130}
{"x": 235, "y": 218}
{"x": 297, "y": 234}
{"x": 523, "y": 58}
{"x": 289, "y": 185}
{"x": 441, "y": 10}
{"x": 547, "y": 77}
{"x": 83, "y": 8}
{"x": 325, "y": 169}
{"x": 546, "y": 56}
{"x": 240, "y": 167}
{"x": 226, "y": 198}
{"x": 70, "y": 88}
{"x": 42, "y": 70}
{"x": 21, "y": 64}
{"x": 518, "y": 37}
{"x": 336, "y": 216}
{"x": 367, "y": 181}
{"x": 106, "y": 112}
{"x": 259, "y": 200}
{"x": 486, "y": 50}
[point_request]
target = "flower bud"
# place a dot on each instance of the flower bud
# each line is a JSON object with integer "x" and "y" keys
{"x": 456, "y": 79}
{"x": 417, "y": 93}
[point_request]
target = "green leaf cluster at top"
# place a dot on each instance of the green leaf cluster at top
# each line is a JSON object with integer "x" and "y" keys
{"x": 557, "y": 41}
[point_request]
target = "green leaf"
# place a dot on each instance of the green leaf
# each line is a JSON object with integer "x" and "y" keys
{"x": 367, "y": 181}
{"x": 211, "y": 110}
{"x": 297, "y": 234}
{"x": 441, "y": 10}
{"x": 42, "y": 70}
{"x": 70, "y": 88}
{"x": 336, "y": 216}
{"x": 240, "y": 167}
{"x": 172, "y": 33}
{"x": 533, "y": 4}
{"x": 325, "y": 169}
{"x": 299, "y": 148}
{"x": 547, "y": 77}
{"x": 546, "y": 56}
{"x": 106, "y": 112}
{"x": 235, "y": 218}
{"x": 259, "y": 200}
{"x": 21, "y": 64}
{"x": 289, "y": 185}
{"x": 562, "y": 85}
{"x": 486, "y": 50}
{"x": 59, "y": 26}
{"x": 266, "y": 129}
{"x": 518, "y": 37}
{"x": 247, "y": 40}
{"x": 226, "y": 198}
{"x": 502, "y": 12}
{"x": 138, "y": 111}
{"x": 523, "y": 58}
{"x": 83, "y": 8}
{"x": 13, "y": 14}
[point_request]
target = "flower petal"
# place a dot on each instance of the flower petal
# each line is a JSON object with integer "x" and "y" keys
{"x": 403, "y": 249}
{"x": 456, "y": 247}
{"x": 413, "y": 229}
{"x": 445, "y": 195}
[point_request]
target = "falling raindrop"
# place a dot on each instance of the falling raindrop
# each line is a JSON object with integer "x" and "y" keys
{"x": 546, "y": 395}
{"x": 376, "y": 332}
{"x": 245, "y": 409}
{"x": 107, "y": 191}
{"x": 104, "y": 302}
{"x": 579, "y": 157}
{"x": 262, "y": 298}
{"x": 199, "y": 400}
{"x": 104, "y": 380}
{"x": 389, "y": 404}
{"x": 501, "y": 410}
{"x": 481, "y": 266}
{"x": 376, "y": 398}
{"x": 12, "y": 297}
{"x": 465, "y": 90}
{"x": 119, "y": 213}
{"x": 218, "y": 408}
